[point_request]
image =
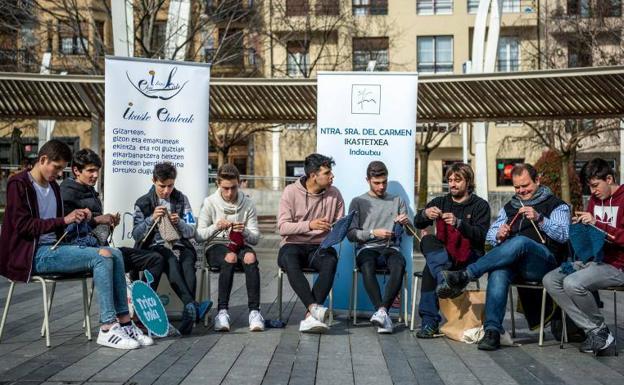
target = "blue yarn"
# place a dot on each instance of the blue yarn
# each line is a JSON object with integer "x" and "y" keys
{"x": 79, "y": 234}
{"x": 587, "y": 245}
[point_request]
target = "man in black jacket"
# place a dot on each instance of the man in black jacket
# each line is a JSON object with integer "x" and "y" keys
{"x": 78, "y": 192}
{"x": 462, "y": 223}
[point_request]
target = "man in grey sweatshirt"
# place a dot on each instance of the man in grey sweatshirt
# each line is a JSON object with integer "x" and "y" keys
{"x": 375, "y": 231}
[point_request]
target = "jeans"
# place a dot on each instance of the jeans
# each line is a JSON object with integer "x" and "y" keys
{"x": 368, "y": 261}
{"x": 573, "y": 292}
{"x": 436, "y": 260}
{"x": 216, "y": 255}
{"x": 108, "y": 273}
{"x": 180, "y": 270}
{"x": 519, "y": 257}
{"x": 137, "y": 260}
{"x": 293, "y": 257}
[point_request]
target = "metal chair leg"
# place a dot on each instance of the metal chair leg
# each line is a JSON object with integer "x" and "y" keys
{"x": 85, "y": 307}
{"x": 49, "y": 304}
{"x": 542, "y": 316}
{"x": 6, "y": 308}
{"x": 355, "y": 298}
{"x": 513, "y": 318}
{"x": 89, "y": 300}
{"x": 46, "y": 320}
{"x": 615, "y": 327}
{"x": 414, "y": 291}
{"x": 279, "y": 293}
{"x": 564, "y": 329}
{"x": 208, "y": 293}
{"x": 406, "y": 299}
{"x": 331, "y": 306}
{"x": 350, "y": 309}
{"x": 478, "y": 282}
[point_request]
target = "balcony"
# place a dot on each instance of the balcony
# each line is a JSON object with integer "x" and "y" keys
{"x": 18, "y": 60}
{"x": 229, "y": 10}
{"x": 243, "y": 62}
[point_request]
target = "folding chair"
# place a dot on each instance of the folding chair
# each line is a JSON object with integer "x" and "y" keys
{"x": 280, "y": 284}
{"x": 204, "y": 287}
{"x": 535, "y": 286}
{"x": 417, "y": 276}
{"x": 47, "y": 302}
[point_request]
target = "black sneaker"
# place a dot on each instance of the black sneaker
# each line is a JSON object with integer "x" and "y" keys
{"x": 491, "y": 340}
{"x": 429, "y": 331}
{"x": 188, "y": 318}
{"x": 602, "y": 341}
{"x": 453, "y": 284}
{"x": 587, "y": 345}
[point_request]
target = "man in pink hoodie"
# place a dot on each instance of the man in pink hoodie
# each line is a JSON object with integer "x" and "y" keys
{"x": 573, "y": 292}
{"x": 307, "y": 210}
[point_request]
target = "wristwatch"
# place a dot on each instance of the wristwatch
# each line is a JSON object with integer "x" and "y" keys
{"x": 371, "y": 235}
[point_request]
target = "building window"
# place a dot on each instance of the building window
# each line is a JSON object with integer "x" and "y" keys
{"x": 434, "y": 7}
{"x": 297, "y": 7}
{"x": 371, "y": 48}
{"x": 508, "y": 57}
{"x": 231, "y": 50}
{"x": 503, "y": 170}
{"x": 598, "y": 8}
{"x": 73, "y": 39}
{"x": 435, "y": 54}
{"x": 509, "y": 6}
{"x": 369, "y": 7}
{"x": 327, "y": 7}
{"x": 579, "y": 54}
{"x": 99, "y": 38}
{"x": 159, "y": 39}
{"x": 298, "y": 58}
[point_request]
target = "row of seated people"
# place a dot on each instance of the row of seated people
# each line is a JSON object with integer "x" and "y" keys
{"x": 527, "y": 235}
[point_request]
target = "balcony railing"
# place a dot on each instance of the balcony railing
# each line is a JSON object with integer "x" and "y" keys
{"x": 17, "y": 60}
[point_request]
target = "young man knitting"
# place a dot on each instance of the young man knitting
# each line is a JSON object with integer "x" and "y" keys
{"x": 229, "y": 219}
{"x": 163, "y": 222}
{"x": 378, "y": 214}
{"x": 573, "y": 292}
{"x": 461, "y": 219}
{"x": 34, "y": 222}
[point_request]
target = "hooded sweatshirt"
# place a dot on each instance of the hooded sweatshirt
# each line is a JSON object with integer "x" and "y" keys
{"x": 609, "y": 216}
{"x": 23, "y": 226}
{"x": 298, "y": 207}
{"x": 215, "y": 208}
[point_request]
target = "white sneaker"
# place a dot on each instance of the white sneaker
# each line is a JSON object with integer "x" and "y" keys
{"x": 256, "y": 321}
{"x": 312, "y": 325}
{"x": 222, "y": 321}
{"x": 387, "y": 327}
{"x": 137, "y": 334}
{"x": 379, "y": 318}
{"x": 320, "y": 313}
{"x": 116, "y": 338}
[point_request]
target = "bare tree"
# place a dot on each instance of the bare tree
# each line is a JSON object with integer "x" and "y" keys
{"x": 585, "y": 33}
{"x": 224, "y": 136}
{"x": 429, "y": 137}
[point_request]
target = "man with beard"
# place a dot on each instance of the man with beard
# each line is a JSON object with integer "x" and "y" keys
{"x": 462, "y": 220}
{"x": 531, "y": 229}
{"x": 377, "y": 246}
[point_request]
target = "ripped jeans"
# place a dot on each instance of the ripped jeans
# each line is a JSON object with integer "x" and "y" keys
{"x": 108, "y": 273}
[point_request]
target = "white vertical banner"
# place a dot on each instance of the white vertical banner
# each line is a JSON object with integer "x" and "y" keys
{"x": 156, "y": 111}
{"x": 363, "y": 117}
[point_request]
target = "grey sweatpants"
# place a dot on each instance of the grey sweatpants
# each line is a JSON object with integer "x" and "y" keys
{"x": 573, "y": 292}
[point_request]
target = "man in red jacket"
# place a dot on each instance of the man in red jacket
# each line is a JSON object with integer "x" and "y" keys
{"x": 34, "y": 223}
{"x": 573, "y": 292}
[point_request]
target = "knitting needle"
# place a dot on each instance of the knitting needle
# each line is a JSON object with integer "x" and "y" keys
{"x": 514, "y": 219}
{"x": 59, "y": 241}
{"x": 150, "y": 230}
{"x": 534, "y": 226}
{"x": 412, "y": 231}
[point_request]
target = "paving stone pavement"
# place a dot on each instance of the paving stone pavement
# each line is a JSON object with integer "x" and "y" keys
{"x": 346, "y": 355}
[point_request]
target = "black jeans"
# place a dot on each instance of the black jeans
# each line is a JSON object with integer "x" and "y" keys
{"x": 137, "y": 260}
{"x": 181, "y": 271}
{"x": 368, "y": 261}
{"x": 216, "y": 257}
{"x": 292, "y": 258}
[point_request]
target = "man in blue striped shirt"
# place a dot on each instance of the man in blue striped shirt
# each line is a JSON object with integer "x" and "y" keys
{"x": 530, "y": 231}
